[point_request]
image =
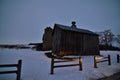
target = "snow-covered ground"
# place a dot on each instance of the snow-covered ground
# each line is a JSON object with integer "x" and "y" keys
{"x": 36, "y": 66}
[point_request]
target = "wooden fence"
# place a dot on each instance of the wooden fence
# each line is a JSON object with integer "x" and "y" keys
{"x": 60, "y": 60}
{"x": 18, "y": 71}
{"x": 118, "y": 58}
{"x": 102, "y": 59}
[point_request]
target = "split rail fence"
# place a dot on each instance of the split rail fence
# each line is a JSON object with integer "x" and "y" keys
{"x": 102, "y": 59}
{"x": 60, "y": 60}
{"x": 18, "y": 71}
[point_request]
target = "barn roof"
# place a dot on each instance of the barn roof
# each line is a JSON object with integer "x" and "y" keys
{"x": 69, "y": 28}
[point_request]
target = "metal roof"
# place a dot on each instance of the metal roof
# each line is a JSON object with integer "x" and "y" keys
{"x": 69, "y": 28}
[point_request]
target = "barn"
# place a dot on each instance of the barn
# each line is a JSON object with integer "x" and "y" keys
{"x": 70, "y": 40}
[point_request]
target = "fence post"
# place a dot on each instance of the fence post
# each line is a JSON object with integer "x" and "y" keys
{"x": 52, "y": 65}
{"x": 109, "y": 61}
{"x": 118, "y": 58}
{"x": 95, "y": 63}
{"x": 19, "y": 69}
{"x": 80, "y": 63}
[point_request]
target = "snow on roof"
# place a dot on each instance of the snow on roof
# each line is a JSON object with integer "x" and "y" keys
{"x": 69, "y": 28}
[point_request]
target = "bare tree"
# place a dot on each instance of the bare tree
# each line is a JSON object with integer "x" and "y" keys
{"x": 106, "y": 37}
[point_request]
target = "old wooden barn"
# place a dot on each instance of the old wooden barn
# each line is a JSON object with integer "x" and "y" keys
{"x": 70, "y": 40}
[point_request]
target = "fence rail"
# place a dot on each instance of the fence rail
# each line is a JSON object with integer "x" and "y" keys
{"x": 9, "y": 65}
{"x": 18, "y": 71}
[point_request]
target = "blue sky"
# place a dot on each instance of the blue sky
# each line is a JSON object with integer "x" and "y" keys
{"x": 23, "y": 21}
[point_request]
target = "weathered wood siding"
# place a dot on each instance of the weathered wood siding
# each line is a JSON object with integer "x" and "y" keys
{"x": 67, "y": 42}
{"x": 56, "y": 40}
{"x": 71, "y": 42}
{"x": 90, "y": 45}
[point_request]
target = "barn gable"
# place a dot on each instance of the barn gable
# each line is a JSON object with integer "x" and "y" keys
{"x": 69, "y": 40}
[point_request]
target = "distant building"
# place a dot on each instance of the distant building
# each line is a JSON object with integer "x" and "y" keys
{"x": 70, "y": 40}
{"x": 47, "y": 38}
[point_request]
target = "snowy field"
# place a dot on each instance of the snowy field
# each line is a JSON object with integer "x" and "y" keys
{"x": 36, "y": 66}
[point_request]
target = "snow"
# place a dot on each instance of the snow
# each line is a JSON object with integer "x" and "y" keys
{"x": 36, "y": 66}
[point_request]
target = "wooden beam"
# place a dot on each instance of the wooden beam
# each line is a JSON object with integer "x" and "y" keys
{"x": 52, "y": 66}
{"x": 69, "y": 65}
{"x": 8, "y": 72}
{"x": 95, "y": 62}
{"x": 8, "y": 65}
{"x": 19, "y": 70}
{"x": 118, "y": 58}
{"x": 102, "y": 61}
